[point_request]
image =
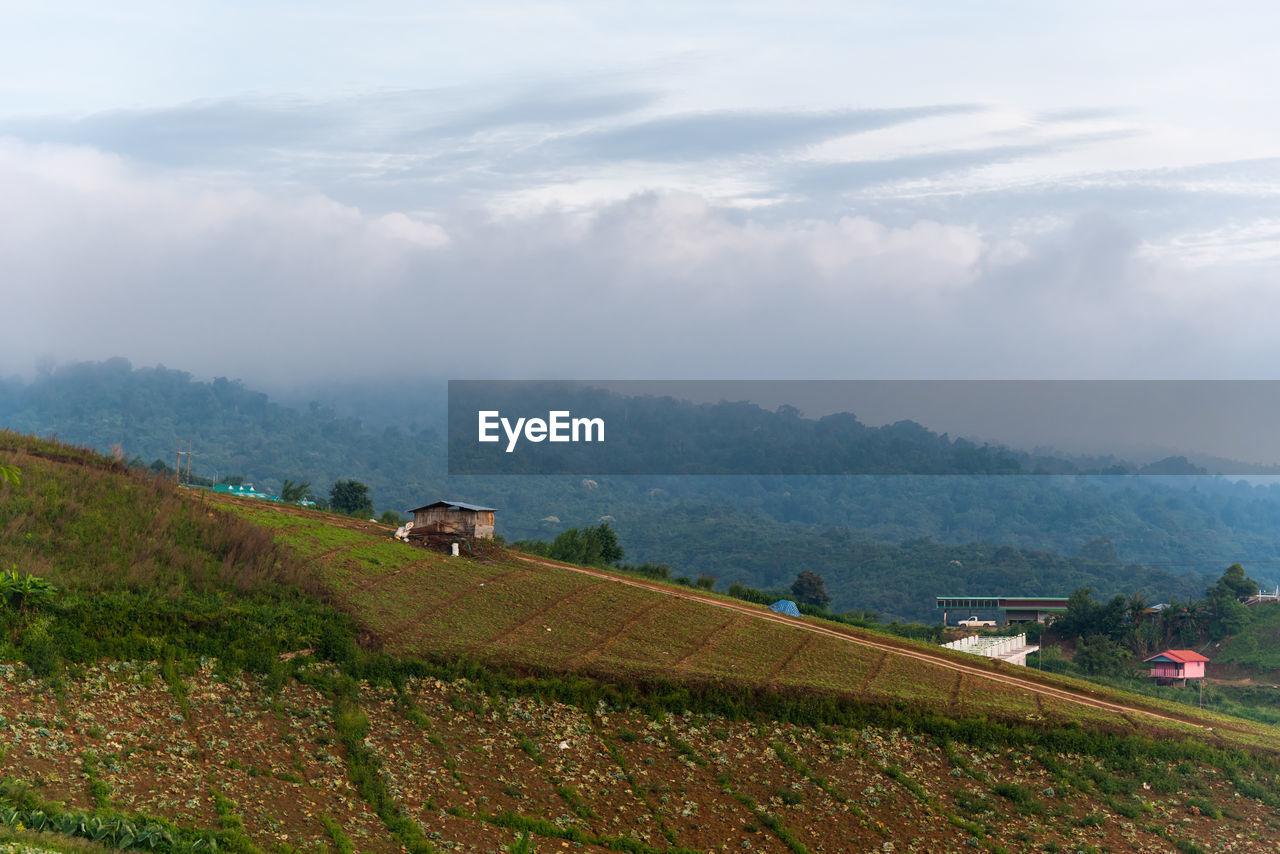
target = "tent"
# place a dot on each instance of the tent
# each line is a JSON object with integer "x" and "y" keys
{"x": 785, "y": 606}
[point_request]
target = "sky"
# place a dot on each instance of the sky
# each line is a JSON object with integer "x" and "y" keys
{"x": 293, "y": 192}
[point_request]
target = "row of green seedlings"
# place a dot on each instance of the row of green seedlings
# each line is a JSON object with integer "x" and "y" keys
{"x": 228, "y": 817}
{"x": 834, "y": 792}
{"x": 1109, "y": 783}
{"x": 364, "y": 768}
{"x": 526, "y": 824}
{"x": 117, "y": 832}
{"x": 122, "y": 832}
{"x": 656, "y": 810}
{"x": 977, "y": 832}
{"x": 228, "y": 813}
{"x": 410, "y": 711}
{"x": 21, "y": 809}
{"x": 1090, "y": 779}
{"x": 1022, "y": 798}
{"x": 725, "y": 781}
{"x": 1095, "y": 780}
{"x": 566, "y": 792}
{"x": 545, "y": 828}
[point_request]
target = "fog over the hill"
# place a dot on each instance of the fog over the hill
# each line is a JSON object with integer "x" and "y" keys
{"x": 857, "y": 191}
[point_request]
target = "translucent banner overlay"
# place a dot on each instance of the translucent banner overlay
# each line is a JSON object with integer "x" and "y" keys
{"x": 858, "y": 427}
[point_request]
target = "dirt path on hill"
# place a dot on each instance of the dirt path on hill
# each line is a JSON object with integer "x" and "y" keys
{"x": 887, "y": 646}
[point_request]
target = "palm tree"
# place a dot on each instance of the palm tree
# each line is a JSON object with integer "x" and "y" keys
{"x": 1184, "y": 622}
{"x": 1145, "y": 640}
{"x": 1196, "y": 621}
{"x": 1169, "y": 618}
{"x": 1136, "y": 607}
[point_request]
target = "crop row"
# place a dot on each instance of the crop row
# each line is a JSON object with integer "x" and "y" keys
{"x": 216, "y": 751}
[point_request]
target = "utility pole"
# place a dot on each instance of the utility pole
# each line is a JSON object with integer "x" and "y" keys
{"x": 190, "y": 454}
{"x": 178, "y": 464}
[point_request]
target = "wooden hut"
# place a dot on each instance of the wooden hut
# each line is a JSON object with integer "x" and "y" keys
{"x": 454, "y": 519}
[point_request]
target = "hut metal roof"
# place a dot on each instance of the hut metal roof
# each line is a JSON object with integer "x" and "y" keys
{"x": 454, "y": 505}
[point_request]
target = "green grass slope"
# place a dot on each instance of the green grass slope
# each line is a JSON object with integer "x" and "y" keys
{"x": 141, "y": 570}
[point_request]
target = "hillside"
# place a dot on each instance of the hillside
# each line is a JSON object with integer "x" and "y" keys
{"x": 1013, "y": 534}
{"x": 517, "y": 611}
{"x": 279, "y": 679}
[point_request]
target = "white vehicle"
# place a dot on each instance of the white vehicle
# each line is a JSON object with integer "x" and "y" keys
{"x": 975, "y": 623}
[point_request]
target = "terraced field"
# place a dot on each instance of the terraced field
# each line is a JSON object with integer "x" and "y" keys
{"x": 508, "y": 609}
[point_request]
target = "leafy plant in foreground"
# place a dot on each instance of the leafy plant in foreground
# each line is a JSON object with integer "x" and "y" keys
{"x": 23, "y": 592}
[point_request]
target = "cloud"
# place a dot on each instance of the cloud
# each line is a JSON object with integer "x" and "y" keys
{"x": 1080, "y": 114}
{"x": 108, "y": 258}
{"x": 550, "y": 106}
{"x": 199, "y": 133}
{"x": 256, "y": 130}
{"x": 697, "y": 136}
{"x": 682, "y": 238}
{"x": 578, "y": 144}
{"x": 1091, "y": 255}
{"x": 850, "y": 175}
{"x": 403, "y": 227}
{"x": 105, "y": 257}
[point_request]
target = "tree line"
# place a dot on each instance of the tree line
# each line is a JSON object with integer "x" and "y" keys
{"x": 1110, "y": 633}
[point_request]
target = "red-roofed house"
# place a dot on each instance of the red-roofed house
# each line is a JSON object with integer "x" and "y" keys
{"x": 1181, "y": 664}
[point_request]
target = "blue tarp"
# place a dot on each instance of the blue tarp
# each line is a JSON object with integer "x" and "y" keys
{"x": 785, "y": 606}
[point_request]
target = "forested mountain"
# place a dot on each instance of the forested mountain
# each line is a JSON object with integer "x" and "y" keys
{"x": 896, "y": 580}
{"x": 754, "y": 529}
{"x": 235, "y": 431}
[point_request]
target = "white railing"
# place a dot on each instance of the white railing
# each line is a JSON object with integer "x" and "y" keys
{"x": 993, "y": 647}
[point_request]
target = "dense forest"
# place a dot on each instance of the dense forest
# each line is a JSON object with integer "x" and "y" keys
{"x": 898, "y": 580}
{"x": 884, "y": 542}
